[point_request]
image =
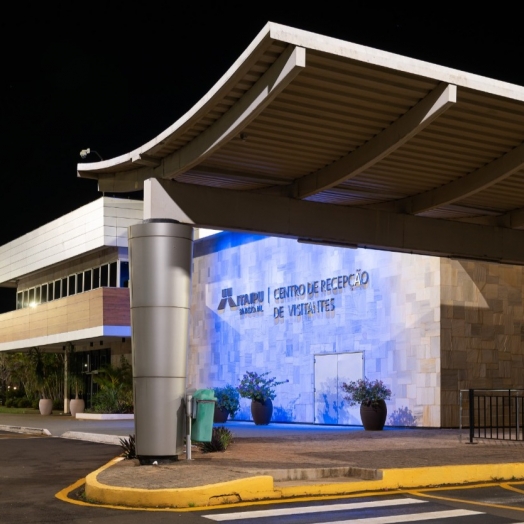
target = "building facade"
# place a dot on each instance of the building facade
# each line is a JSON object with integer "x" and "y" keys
{"x": 320, "y": 315}
{"x": 72, "y": 285}
{"x": 314, "y": 315}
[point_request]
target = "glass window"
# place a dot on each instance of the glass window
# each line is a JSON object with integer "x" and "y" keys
{"x": 26, "y": 299}
{"x": 79, "y": 282}
{"x": 87, "y": 280}
{"x": 58, "y": 285}
{"x": 112, "y": 274}
{"x": 104, "y": 275}
{"x": 32, "y": 296}
{"x": 124, "y": 274}
{"x": 43, "y": 295}
{"x": 19, "y": 300}
{"x": 72, "y": 284}
{"x": 64, "y": 287}
{"x": 51, "y": 291}
{"x": 37, "y": 295}
{"x": 96, "y": 277}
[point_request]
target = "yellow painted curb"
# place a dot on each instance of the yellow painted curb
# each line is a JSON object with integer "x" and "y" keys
{"x": 408, "y": 478}
{"x": 248, "y": 489}
{"x": 262, "y": 488}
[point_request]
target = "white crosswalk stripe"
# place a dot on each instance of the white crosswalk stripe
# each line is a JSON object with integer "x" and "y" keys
{"x": 416, "y": 517}
{"x": 376, "y": 504}
{"x": 311, "y": 509}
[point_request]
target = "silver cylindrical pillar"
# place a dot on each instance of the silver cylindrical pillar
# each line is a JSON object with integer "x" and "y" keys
{"x": 160, "y": 255}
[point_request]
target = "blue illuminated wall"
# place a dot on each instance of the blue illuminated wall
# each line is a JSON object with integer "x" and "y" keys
{"x": 273, "y": 304}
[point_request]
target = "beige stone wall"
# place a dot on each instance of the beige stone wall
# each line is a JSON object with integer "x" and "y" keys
{"x": 99, "y": 307}
{"x": 481, "y": 330}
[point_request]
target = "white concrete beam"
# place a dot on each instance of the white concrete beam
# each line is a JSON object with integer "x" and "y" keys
{"x": 288, "y": 217}
{"x": 123, "y": 182}
{"x": 482, "y": 178}
{"x": 289, "y": 64}
{"x": 374, "y": 150}
{"x": 142, "y": 159}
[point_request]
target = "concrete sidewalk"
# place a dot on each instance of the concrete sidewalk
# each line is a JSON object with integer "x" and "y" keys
{"x": 103, "y": 431}
{"x": 285, "y": 461}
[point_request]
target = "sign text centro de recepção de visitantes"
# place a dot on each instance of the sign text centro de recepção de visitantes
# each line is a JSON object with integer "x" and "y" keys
{"x": 305, "y": 299}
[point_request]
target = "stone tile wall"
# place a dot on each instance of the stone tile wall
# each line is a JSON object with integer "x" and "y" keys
{"x": 394, "y": 320}
{"x": 481, "y": 330}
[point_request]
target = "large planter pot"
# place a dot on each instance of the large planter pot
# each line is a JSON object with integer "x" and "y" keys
{"x": 45, "y": 405}
{"x": 76, "y": 405}
{"x": 220, "y": 415}
{"x": 374, "y": 417}
{"x": 261, "y": 412}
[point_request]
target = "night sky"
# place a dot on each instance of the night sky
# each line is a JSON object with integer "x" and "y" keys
{"x": 113, "y": 76}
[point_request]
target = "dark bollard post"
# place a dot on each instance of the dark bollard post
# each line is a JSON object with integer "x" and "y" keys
{"x": 471, "y": 415}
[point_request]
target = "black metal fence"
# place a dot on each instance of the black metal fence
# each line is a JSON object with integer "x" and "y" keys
{"x": 496, "y": 414}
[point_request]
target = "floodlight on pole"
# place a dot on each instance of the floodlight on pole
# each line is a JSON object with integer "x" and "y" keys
{"x": 85, "y": 152}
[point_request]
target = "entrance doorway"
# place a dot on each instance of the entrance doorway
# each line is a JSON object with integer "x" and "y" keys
{"x": 331, "y": 370}
{"x": 87, "y": 364}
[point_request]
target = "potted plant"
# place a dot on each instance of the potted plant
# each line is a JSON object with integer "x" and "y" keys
{"x": 76, "y": 405}
{"x": 372, "y": 396}
{"x": 227, "y": 403}
{"x": 261, "y": 390}
{"x": 48, "y": 373}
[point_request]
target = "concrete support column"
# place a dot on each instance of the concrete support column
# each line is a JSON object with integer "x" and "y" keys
{"x": 66, "y": 382}
{"x": 160, "y": 254}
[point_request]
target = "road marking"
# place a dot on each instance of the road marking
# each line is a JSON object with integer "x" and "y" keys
{"x": 311, "y": 509}
{"x": 416, "y": 517}
{"x": 506, "y": 485}
{"x": 423, "y": 493}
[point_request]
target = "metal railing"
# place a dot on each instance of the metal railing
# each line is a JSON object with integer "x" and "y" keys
{"x": 495, "y": 414}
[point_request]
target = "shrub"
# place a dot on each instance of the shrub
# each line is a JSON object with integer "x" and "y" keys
{"x": 228, "y": 399}
{"x": 365, "y": 391}
{"x": 221, "y": 437}
{"x": 116, "y": 389}
{"x": 9, "y": 403}
{"x": 128, "y": 447}
{"x": 23, "y": 403}
{"x": 256, "y": 386}
{"x": 113, "y": 399}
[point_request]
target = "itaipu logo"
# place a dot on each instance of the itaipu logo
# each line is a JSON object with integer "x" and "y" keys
{"x": 246, "y": 304}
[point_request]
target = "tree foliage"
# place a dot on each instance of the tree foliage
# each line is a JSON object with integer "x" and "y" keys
{"x": 116, "y": 388}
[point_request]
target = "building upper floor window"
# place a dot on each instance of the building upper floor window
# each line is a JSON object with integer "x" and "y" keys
{"x": 113, "y": 274}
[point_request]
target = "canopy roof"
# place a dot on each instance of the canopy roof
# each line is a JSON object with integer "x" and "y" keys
{"x": 308, "y": 117}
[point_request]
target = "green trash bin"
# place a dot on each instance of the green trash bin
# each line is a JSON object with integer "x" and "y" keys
{"x": 203, "y": 414}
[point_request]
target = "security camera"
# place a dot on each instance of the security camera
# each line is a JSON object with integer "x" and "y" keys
{"x": 85, "y": 152}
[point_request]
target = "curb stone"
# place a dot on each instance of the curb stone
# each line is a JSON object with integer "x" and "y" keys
{"x": 262, "y": 487}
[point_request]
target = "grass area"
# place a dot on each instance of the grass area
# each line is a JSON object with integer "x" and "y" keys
{"x": 19, "y": 411}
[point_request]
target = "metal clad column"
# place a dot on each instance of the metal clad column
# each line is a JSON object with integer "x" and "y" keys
{"x": 160, "y": 254}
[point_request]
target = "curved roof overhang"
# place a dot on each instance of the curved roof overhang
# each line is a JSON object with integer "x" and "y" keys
{"x": 308, "y": 117}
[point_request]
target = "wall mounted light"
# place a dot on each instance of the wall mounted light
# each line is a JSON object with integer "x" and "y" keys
{"x": 85, "y": 152}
